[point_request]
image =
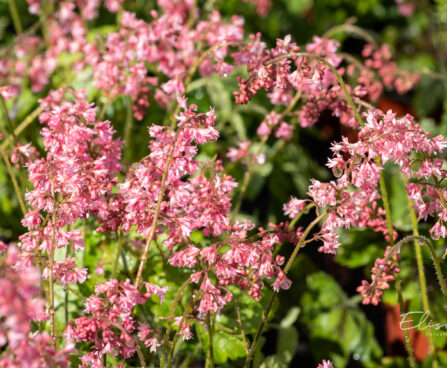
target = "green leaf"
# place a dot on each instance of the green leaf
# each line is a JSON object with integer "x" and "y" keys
{"x": 298, "y": 6}
{"x": 337, "y": 327}
{"x": 274, "y": 361}
{"x": 227, "y": 347}
{"x": 360, "y": 247}
{"x": 400, "y": 211}
{"x": 287, "y": 343}
{"x": 290, "y": 318}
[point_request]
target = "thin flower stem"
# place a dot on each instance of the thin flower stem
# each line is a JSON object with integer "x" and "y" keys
{"x": 8, "y": 120}
{"x": 386, "y": 205}
{"x": 140, "y": 355}
{"x": 404, "y": 322}
{"x": 125, "y": 266}
{"x": 118, "y": 254}
{"x": 4, "y": 132}
{"x": 297, "y": 217}
{"x": 13, "y": 135}
{"x": 292, "y": 103}
{"x": 51, "y": 277}
{"x": 106, "y": 104}
{"x": 15, "y": 16}
{"x": 171, "y": 317}
{"x": 350, "y": 29}
{"x": 275, "y": 293}
{"x": 260, "y": 330}
{"x": 174, "y": 341}
{"x": 422, "y": 279}
{"x": 67, "y": 290}
{"x": 128, "y": 125}
{"x": 22, "y": 126}
{"x": 14, "y": 181}
{"x": 302, "y": 240}
{"x": 437, "y": 268}
{"x": 156, "y": 214}
{"x": 210, "y": 344}
{"x": 191, "y": 356}
{"x": 293, "y": 223}
{"x": 239, "y": 320}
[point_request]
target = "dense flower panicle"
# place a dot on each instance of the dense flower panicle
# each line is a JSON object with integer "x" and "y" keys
{"x": 384, "y": 138}
{"x": 35, "y": 59}
{"x": 318, "y": 85}
{"x": 312, "y": 78}
{"x": 416, "y": 153}
{"x": 167, "y": 42}
{"x": 199, "y": 203}
{"x": 256, "y": 56}
{"x": 20, "y": 304}
{"x": 110, "y": 324}
{"x": 382, "y": 273}
{"x": 187, "y": 207}
{"x": 237, "y": 260}
{"x": 394, "y": 139}
{"x": 73, "y": 181}
{"x": 67, "y": 272}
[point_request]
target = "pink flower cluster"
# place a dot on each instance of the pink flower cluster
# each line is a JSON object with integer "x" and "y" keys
{"x": 380, "y": 61}
{"x": 271, "y": 69}
{"x": 20, "y": 304}
{"x": 111, "y": 326}
{"x": 325, "y": 364}
{"x": 168, "y": 43}
{"x": 72, "y": 182}
{"x": 381, "y": 274}
{"x": 405, "y": 143}
{"x": 352, "y": 198}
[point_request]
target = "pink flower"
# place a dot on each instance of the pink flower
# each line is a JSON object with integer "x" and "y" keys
{"x": 294, "y": 207}
{"x": 285, "y": 131}
{"x": 235, "y": 154}
{"x": 6, "y": 92}
{"x": 325, "y": 364}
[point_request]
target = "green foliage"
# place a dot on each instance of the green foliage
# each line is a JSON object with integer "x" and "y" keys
{"x": 360, "y": 248}
{"x": 337, "y": 327}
